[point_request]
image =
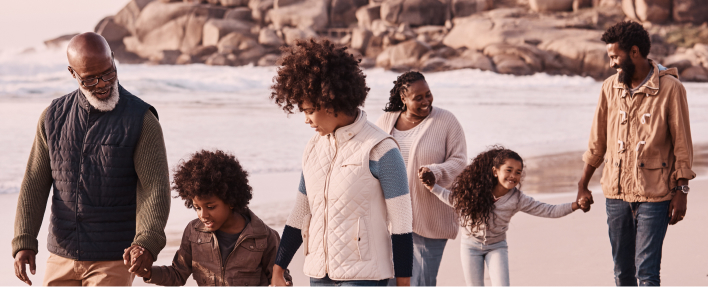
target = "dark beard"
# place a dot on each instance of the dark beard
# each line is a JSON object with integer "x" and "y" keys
{"x": 628, "y": 69}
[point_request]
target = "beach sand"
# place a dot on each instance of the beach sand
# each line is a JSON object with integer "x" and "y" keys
{"x": 573, "y": 250}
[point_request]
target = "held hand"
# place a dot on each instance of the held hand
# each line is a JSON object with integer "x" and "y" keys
{"x": 23, "y": 258}
{"x": 403, "y": 281}
{"x": 131, "y": 252}
{"x": 279, "y": 277}
{"x": 584, "y": 198}
{"x": 427, "y": 177}
{"x": 141, "y": 262}
{"x": 677, "y": 208}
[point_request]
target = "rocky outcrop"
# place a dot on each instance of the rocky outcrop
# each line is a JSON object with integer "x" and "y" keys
{"x": 537, "y": 36}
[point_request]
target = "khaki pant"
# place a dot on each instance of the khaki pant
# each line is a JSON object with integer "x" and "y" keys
{"x": 68, "y": 272}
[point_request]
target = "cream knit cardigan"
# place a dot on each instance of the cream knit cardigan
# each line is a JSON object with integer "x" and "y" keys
{"x": 440, "y": 146}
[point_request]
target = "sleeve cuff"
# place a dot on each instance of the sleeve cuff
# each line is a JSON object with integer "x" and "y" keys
{"x": 152, "y": 242}
{"x": 24, "y": 242}
{"x": 592, "y": 159}
{"x": 156, "y": 276}
{"x": 685, "y": 173}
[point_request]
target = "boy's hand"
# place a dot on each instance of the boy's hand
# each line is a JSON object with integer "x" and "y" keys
{"x": 584, "y": 204}
{"x": 427, "y": 177}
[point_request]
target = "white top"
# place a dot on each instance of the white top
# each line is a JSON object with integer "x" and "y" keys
{"x": 405, "y": 140}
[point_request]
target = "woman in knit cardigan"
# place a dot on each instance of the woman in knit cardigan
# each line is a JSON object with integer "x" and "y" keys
{"x": 430, "y": 139}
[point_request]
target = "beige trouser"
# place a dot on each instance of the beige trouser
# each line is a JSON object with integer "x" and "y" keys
{"x": 68, "y": 272}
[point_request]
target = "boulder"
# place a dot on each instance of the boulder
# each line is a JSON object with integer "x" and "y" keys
{"x": 464, "y": 8}
{"x": 342, "y": 13}
{"x": 282, "y": 3}
{"x": 127, "y": 16}
{"x": 291, "y": 35}
{"x": 233, "y": 3}
{"x": 693, "y": 11}
{"x": 240, "y": 13}
{"x": 414, "y": 12}
{"x": 367, "y": 63}
{"x": 218, "y": 59}
{"x": 165, "y": 57}
{"x": 406, "y": 54}
{"x": 580, "y": 4}
{"x": 580, "y": 56}
{"x": 510, "y": 64}
{"x": 269, "y": 60}
{"x": 197, "y": 55}
{"x": 360, "y": 39}
{"x": 251, "y": 55}
{"x": 111, "y": 31}
{"x": 156, "y": 14}
{"x": 655, "y": 11}
{"x": 531, "y": 55}
{"x": 380, "y": 27}
{"x": 259, "y": 9}
{"x": 58, "y": 41}
{"x": 184, "y": 59}
{"x": 679, "y": 61}
{"x": 475, "y": 34}
{"x": 471, "y": 59}
{"x": 551, "y": 5}
{"x": 434, "y": 64}
{"x": 310, "y": 14}
{"x": 215, "y": 29}
{"x": 367, "y": 14}
{"x": 268, "y": 37}
{"x": 694, "y": 74}
{"x": 166, "y": 37}
{"x": 235, "y": 42}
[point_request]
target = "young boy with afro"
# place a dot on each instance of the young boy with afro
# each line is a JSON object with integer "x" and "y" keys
{"x": 228, "y": 244}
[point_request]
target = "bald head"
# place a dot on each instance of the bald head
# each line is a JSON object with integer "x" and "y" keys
{"x": 89, "y": 52}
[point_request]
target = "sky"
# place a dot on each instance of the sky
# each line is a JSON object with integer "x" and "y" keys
{"x": 27, "y": 23}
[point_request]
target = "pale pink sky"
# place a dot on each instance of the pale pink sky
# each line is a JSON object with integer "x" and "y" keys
{"x": 26, "y": 23}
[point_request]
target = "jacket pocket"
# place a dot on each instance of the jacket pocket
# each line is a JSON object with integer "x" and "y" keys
{"x": 305, "y": 231}
{"x": 202, "y": 250}
{"x": 246, "y": 278}
{"x": 362, "y": 239}
{"x": 652, "y": 177}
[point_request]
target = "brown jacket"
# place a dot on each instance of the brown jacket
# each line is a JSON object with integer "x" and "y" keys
{"x": 249, "y": 264}
{"x": 645, "y": 139}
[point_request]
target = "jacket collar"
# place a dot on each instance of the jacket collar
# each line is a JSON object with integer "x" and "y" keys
{"x": 346, "y": 133}
{"x": 255, "y": 228}
{"x": 651, "y": 87}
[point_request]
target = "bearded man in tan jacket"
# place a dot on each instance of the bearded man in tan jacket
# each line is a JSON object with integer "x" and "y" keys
{"x": 641, "y": 131}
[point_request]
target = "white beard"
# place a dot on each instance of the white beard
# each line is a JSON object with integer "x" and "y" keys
{"x": 103, "y": 105}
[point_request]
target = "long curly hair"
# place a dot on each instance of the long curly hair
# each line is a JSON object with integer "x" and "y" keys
{"x": 325, "y": 75}
{"x": 400, "y": 85}
{"x": 215, "y": 173}
{"x": 471, "y": 192}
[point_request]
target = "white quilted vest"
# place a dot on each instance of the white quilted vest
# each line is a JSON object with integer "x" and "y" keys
{"x": 347, "y": 234}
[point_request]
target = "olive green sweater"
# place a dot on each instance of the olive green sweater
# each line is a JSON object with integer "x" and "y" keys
{"x": 153, "y": 189}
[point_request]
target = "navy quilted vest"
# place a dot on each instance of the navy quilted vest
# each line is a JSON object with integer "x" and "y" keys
{"x": 94, "y": 199}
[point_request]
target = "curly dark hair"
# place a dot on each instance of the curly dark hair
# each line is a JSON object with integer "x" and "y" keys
{"x": 209, "y": 173}
{"x": 325, "y": 75}
{"x": 400, "y": 85}
{"x": 471, "y": 193}
{"x": 628, "y": 34}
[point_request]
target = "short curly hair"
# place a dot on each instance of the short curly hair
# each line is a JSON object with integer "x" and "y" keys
{"x": 213, "y": 173}
{"x": 400, "y": 85}
{"x": 325, "y": 75}
{"x": 628, "y": 34}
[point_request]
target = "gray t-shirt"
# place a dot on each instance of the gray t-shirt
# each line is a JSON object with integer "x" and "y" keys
{"x": 651, "y": 72}
{"x": 227, "y": 241}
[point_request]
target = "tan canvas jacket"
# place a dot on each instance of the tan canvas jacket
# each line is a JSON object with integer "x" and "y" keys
{"x": 644, "y": 140}
{"x": 249, "y": 264}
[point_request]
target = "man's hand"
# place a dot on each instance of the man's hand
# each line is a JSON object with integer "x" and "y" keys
{"x": 140, "y": 261}
{"x": 403, "y": 281}
{"x": 584, "y": 198}
{"x": 427, "y": 177}
{"x": 23, "y": 258}
{"x": 677, "y": 208}
{"x": 278, "y": 278}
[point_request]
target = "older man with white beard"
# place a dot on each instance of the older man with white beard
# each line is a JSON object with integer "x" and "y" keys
{"x": 101, "y": 150}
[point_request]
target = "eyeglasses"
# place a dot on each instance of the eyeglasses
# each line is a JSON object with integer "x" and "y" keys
{"x": 90, "y": 82}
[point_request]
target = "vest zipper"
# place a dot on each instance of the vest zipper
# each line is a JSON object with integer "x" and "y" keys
{"x": 329, "y": 173}
{"x": 78, "y": 190}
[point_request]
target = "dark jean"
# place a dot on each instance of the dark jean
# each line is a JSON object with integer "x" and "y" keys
{"x": 637, "y": 231}
{"x": 329, "y": 282}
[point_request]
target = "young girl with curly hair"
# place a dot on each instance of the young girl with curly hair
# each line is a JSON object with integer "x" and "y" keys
{"x": 353, "y": 210}
{"x": 485, "y": 195}
{"x": 228, "y": 245}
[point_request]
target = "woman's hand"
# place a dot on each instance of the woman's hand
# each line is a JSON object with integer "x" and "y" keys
{"x": 427, "y": 177}
{"x": 278, "y": 278}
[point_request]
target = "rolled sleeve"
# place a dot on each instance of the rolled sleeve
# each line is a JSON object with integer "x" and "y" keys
{"x": 592, "y": 159}
{"x": 680, "y": 128}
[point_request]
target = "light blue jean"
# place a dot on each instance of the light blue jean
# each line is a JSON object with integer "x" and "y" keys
{"x": 427, "y": 254}
{"x": 475, "y": 255}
